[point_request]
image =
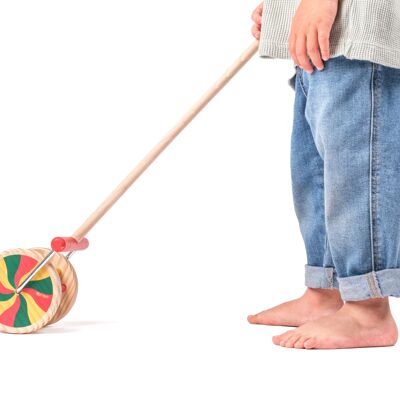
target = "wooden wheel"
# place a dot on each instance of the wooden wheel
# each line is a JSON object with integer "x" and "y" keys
{"x": 69, "y": 281}
{"x": 37, "y": 303}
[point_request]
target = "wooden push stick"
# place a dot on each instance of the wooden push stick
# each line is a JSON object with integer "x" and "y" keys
{"x": 80, "y": 233}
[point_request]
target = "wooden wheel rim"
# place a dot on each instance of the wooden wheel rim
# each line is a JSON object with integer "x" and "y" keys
{"x": 37, "y": 303}
{"x": 69, "y": 282}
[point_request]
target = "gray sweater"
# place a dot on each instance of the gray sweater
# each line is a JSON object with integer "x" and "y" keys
{"x": 363, "y": 30}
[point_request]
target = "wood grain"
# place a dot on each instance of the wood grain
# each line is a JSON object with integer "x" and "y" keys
{"x": 56, "y": 295}
{"x": 69, "y": 282}
{"x": 81, "y": 232}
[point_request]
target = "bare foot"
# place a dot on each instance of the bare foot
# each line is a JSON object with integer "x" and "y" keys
{"x": 314, "y": 304}
{"x": 366, "y": 323}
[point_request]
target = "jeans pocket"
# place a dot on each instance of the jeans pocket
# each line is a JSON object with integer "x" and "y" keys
{"x": 292, "y": 81}
{"x": 299, "y": 73}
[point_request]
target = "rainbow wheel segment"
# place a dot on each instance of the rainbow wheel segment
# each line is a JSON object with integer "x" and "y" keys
{"x": 69, "y": 281}
{"x": 37, "y": 303}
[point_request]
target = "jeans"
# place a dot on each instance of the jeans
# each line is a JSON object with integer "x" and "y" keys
{"x": 345, "y": 172}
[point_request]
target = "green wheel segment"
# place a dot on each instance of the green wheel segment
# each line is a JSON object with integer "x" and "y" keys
{"x": 37, "y": 303}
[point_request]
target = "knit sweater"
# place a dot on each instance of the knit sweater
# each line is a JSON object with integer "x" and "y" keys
{"x": 363, "y": 30}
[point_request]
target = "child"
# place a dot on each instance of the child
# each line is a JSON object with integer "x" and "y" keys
{"x": 345, "y": 166}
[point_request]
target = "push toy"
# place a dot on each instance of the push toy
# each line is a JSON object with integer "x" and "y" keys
{"x": 38, "y": 286}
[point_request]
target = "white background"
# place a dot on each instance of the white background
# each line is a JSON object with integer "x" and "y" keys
{"x": 206, "y": 236}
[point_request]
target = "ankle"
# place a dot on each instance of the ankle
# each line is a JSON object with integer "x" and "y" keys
{"x": 376, "y": 308}
{"x": 323, "y": 295}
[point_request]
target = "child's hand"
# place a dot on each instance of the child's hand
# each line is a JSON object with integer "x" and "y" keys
{"x": 256, "y": 17}
{"x": 310, "y": 30}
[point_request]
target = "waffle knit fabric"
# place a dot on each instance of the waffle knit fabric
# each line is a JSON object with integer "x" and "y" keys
{"x": 363, "y": 30}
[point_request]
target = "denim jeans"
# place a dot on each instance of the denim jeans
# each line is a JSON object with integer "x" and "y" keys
{"x": 345, "y": 171}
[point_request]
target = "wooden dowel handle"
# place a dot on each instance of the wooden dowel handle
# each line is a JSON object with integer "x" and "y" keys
{"x": 82, "y": 231}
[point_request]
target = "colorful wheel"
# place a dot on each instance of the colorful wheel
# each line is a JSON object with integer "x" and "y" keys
{"x": 69, "y": 282}
{"x": 37, "y": 303}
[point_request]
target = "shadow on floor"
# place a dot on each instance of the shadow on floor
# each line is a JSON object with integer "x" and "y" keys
{"x": 70, "y": 326}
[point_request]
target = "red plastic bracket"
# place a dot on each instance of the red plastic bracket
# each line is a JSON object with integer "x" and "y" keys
{"x": 60, "y": 244}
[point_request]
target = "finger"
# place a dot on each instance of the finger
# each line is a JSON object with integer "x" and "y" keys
{"x": 256, "y": 16}
{"x": 255, "y": 32}
{"x": 292, "y": 48}
{"x": 323, "y": 39}
{"x": 301, "y": 53}
{"x": 313, "y": 48}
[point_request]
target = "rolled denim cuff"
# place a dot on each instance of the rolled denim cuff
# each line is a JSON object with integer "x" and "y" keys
{"x": 320, "y": 277}
{"x": 374, "y": 284}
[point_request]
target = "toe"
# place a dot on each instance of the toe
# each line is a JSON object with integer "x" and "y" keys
{"x": 299, "y": 344}
{"x": 253, "y": 319}
{"x": 263, "y": 318}
{"x": 292, "y": 340}
{"x": 310, "y": 343}
{"x": 281, "y": 339}
{"x": 276, "y": 339}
